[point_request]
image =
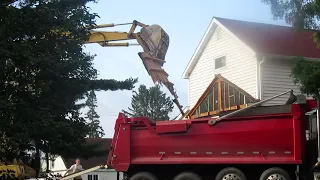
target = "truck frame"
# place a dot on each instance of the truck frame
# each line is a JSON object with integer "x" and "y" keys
{"x": 257, "y": 142}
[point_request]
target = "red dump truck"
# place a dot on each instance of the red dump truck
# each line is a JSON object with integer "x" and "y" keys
{"x": 258, "y": 142}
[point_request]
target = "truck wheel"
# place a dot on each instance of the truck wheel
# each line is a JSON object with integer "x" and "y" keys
{"x": 143, "y": 176}
{"x": 187, "y": 176}
{"x": 230, "y": 173}
{"x": 275, "y": 174}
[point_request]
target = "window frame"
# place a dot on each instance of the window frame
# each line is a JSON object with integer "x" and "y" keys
{"x": 95, "y": 177}
{"x": 90, "y": 177}
{"x": 224, "y": 58}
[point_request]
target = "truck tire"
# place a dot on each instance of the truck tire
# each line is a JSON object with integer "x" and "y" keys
{"x": 143, "y": 176}
{"x": 230, "y": 173}
{"x": 187, "y": 176}
{"x": 275, "y": 173}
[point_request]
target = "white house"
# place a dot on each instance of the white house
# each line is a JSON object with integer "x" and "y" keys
{"x": 61, "y": 164}
{"x": 56, "y": 165}
{"x": 256, "y": 57}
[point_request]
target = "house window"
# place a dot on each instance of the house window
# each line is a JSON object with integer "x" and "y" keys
{"x": 220, "y": 62}
{"x": 93, "y": 177}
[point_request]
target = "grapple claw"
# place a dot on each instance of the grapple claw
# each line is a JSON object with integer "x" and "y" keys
{"x": 155, "y": 42}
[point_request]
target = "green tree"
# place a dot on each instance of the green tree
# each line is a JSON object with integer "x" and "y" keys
{"x": 152, "y": 103}
{"x": 43, "y": 74}
{"x": 301, "y": 14}
{"x": 307, "y": 75}
{"x": 292, "y": 11}
{"x": 93, "y": 117}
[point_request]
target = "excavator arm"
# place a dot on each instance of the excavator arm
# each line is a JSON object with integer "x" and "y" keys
{"x": 107, "y": 38}
{"x": 154, "y": 41}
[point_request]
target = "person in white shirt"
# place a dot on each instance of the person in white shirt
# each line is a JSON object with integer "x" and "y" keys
{"x": 74, "y": 169}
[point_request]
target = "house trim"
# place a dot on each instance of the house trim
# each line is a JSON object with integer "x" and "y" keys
{"x": 201, "y": 46}
{"x": 188, "y": 84}
{"x": 286, "y": 57}
{"x": 259, "y": 78}
{"x": 203, "y": 43}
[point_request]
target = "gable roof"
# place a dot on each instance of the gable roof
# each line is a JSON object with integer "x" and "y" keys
{"x": 264, "y": 39}
{"x": 93, "y": 161}
{"x": 222, "y": 91}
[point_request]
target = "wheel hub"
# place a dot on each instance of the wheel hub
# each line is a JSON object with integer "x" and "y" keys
{"x": 275, "y": 177}
{"x": 231, "y": 177}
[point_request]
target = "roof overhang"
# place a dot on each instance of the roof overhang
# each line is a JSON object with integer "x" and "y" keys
{"x": 201, "y": 46}
{"x": 287, "y": 57}
{"x": 203, "y": 43}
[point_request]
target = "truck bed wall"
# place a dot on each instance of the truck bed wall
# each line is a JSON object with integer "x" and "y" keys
{"x": 255, "y": 139}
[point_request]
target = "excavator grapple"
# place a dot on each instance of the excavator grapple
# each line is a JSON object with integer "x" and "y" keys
{"x": 155, "y": 42}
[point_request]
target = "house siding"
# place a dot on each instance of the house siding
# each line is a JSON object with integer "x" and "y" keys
{"x": 55, "y": 165}
{"x": 240, "y": 66}
{"x": 275, "y": 79}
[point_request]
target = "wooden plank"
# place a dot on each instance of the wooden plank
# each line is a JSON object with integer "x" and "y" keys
{"x": 234, "y": 96}
{"x": 204, "y": 114}
{"x": 243, "y": 105}
{"x": 224, "y": 94}
{"x": 214, "y": 112}
{"x": 82, "y": 172}
{"x": 228, "y": 96}
{"x": 219, "y": 96}
{"x": 193, "y": 117}
{"x": 208, "y": 102}
{"x": 213, "y": 103}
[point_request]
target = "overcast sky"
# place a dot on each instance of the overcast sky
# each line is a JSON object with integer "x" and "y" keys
{"x": 185, "y": 21}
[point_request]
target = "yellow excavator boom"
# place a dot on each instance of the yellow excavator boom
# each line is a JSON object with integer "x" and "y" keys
{"x": 154, "y": 41}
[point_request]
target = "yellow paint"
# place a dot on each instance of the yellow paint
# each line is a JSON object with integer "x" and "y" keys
{"x": 19, "y": 171}
{"x": 12, "y": 171}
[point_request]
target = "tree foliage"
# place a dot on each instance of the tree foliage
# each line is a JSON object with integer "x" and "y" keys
{"x": 88, "y": 150}
{"x": 152, "y": 103}
{"x": 301, "y": 14}
{"x": 307, "y": 75}
{"x": 44, "y": 73}
{"x": 290, "y": 10}
{"x": 95, "y": 130}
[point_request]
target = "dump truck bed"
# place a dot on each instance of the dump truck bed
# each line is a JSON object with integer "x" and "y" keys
{"x": 262, "y": 135}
